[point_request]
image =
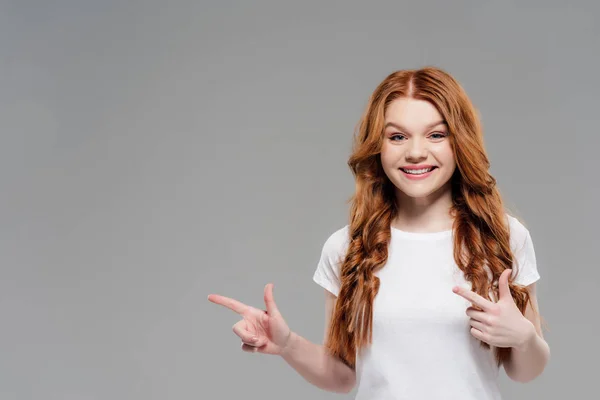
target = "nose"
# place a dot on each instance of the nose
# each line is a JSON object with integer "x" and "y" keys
{"x": 417, "y": 149}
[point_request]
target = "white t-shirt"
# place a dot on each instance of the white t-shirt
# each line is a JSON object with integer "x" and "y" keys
{"x": 422, "y": 347}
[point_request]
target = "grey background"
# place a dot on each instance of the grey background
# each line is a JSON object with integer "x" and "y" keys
{"x": 155, "y": 152}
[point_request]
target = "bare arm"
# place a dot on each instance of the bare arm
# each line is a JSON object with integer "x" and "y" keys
{"x": 315, "y": 364}
{"x": 529, "y": 360}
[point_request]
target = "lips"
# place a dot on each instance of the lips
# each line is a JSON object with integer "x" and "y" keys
{"x": 417, "y": 177}
{"x": 432, "y": 167}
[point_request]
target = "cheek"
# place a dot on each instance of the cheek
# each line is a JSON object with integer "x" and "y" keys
{"x": 387, "y": 158}
{"x": 446, "y": 155}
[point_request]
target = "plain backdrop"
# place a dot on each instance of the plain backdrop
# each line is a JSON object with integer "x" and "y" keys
{"x": 155, "y": 152}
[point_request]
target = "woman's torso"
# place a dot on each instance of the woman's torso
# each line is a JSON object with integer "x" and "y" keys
{"x": 422, "y": 347}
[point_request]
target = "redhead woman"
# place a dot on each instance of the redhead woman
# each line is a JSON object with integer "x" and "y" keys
{"x": 431, "y": 287}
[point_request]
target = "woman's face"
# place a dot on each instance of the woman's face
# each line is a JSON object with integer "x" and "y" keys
{"x": 415, "y": 135}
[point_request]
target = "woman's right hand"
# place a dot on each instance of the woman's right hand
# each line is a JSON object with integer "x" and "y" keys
{"x": 260, "y": 331}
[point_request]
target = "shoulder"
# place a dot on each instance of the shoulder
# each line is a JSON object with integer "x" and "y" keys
{"x": 519, "y": 233}
{"x": 524, "y": 262}
{"x": 338, "y": 241}
{"x": 328, "y": 269}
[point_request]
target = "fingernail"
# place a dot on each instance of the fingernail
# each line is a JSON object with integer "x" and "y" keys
{"x": 254, "y": 338}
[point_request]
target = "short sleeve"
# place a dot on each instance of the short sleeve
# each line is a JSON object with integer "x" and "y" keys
{"x": 327, "y": 274}
{"x": 525, "y": 271}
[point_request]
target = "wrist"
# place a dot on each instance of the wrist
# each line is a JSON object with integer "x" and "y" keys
{"x": 528, "y": 339}
{"x": 287, "y": 347}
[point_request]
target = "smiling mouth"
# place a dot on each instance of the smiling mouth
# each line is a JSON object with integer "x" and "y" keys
{"x": 417, "y": 171}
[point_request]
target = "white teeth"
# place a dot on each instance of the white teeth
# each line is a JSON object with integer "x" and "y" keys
{"x": 417, "y": 171}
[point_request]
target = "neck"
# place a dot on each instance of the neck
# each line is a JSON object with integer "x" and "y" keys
{"x": 424, "y": 214}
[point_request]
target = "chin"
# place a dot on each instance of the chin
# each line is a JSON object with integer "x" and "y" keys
{"x": 415, "y": 194}
{"x": 416, "y": 191}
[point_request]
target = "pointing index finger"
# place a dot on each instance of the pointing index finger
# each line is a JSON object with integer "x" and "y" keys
{"x": 230, "y": 303}
{"x": 473, "y": 297}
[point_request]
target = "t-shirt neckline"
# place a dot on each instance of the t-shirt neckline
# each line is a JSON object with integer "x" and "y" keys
{"x": 421, "y": 235}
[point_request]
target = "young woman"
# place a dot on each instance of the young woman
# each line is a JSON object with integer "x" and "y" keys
{"x": 430, "y": 288}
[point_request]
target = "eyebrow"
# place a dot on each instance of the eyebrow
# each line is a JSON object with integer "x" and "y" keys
{"x": 398, "y": 126}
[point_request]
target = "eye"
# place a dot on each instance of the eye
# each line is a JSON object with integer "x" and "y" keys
{"x": 439, "y": 135}
{"x": 396, "y": 135}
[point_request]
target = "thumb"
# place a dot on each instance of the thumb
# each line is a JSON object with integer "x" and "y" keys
{"x": 270, "y": 301}
{"x": 503, "y": 287}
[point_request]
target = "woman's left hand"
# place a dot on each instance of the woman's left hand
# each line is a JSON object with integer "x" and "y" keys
{"x": 498, "y": 324}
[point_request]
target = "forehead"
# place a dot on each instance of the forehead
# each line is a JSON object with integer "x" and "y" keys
{"x": 412, "y": 112}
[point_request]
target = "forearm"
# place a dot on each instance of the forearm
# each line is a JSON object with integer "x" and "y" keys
{"x": 317, "y": 366}
{"x": 529, "y": 360}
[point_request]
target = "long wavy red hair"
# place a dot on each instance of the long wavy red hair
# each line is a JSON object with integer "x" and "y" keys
{"x": 481, "y": 232}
